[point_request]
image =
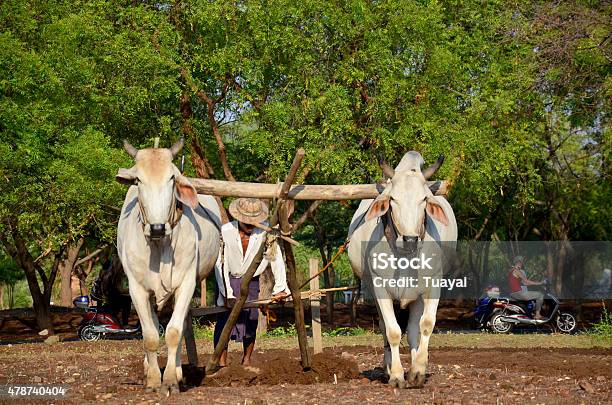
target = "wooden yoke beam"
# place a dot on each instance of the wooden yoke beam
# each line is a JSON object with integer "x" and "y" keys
{"x": 224, "y": 188}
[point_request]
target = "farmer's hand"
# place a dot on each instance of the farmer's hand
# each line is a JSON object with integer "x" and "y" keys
{"x": 279, "y": 296}
{"x": 229, "y": 302}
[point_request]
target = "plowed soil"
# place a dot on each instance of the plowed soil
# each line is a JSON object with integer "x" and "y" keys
{"x": 111, "y": 371}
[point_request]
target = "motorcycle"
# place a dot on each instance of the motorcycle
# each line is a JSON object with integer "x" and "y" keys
{"x": 97, "y": 323}
{"x": 502, "y": 314}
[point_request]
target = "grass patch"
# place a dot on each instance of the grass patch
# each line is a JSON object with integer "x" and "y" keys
{"x": 603, "y": 328}
{"x": 291, "y": 331}
{"x": 345, "y": 331}
{"x": 282, "y": 331}
{"x": 203, "y": 330}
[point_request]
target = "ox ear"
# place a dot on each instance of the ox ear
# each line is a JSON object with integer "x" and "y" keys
{"x": 379, "y": 207}
{"x": 436, "y": 211}
{"x": 185, "y": 192}
{"x": 126, "y": 176}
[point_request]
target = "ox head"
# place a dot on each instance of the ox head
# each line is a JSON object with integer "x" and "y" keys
{"x": 160, "y": 185}
{"x": 409, "y": 198}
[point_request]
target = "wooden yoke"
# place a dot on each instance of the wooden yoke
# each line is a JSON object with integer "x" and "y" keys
{"x": 328, "y": 192}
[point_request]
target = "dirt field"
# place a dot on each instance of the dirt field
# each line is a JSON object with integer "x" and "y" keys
{"x": 464, "y": 368}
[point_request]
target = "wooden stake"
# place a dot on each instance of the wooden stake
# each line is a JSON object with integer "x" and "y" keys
{"x": 190, "y": 346}
{"x": 203, "y": 293}
{"x": 284, "y": 211}
{"x": 315, "y": 308}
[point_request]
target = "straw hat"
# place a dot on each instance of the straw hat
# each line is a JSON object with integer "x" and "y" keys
{"x": 248, "y": 210}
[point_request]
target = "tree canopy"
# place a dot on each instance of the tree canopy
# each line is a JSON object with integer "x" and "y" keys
{"x": 515, "y": 94}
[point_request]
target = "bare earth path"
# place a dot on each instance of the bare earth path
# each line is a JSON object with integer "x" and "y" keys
{"x": 472, "y": 368}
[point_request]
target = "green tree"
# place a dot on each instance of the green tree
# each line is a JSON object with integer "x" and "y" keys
{"x": 75, "y": 81}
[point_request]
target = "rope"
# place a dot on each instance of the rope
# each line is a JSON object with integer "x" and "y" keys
{"x": 341, "y": 250}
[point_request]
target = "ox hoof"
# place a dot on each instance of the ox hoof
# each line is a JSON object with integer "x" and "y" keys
{"x": 149, "y": 390}
{"x": 416, "y": 378}
{"x": 168, "y": 389}
{"x": 397, "y": 383}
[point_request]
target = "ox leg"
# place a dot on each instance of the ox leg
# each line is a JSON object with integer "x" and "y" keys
{"x": 150, "y": 335}
{"x": 393, "y": 334}
{"x": 416, "y": 377}
{"x": 414, "y": 333}
{"x": 174, "y": 333}
{"x": 387, "y": 348}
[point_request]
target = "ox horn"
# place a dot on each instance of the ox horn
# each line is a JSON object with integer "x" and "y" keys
{"x": 132, "y": 151}
{"x": 176, "y": 148}
{"x": 432, "y": 169}
{"x": 387, "y": 170}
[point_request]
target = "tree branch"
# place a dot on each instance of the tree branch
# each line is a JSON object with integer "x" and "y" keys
{"x": 90, "y": 256}
{"x": 307, "y": 214}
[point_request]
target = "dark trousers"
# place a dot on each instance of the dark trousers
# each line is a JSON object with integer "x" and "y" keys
{"x": 245, "y": 329}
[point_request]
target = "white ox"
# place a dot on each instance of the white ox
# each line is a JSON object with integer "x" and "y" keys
{"x": 168, "y": 240}
{"x": 417, "y": 216}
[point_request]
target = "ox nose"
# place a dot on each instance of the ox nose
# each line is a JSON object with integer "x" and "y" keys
{"x": 158, "y": 231}
{"x": 410, "y": 244}
{"x": 410, "y": 240}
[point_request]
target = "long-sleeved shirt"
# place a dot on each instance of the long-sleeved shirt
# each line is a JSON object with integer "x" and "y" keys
{"x": 236, "y": 262}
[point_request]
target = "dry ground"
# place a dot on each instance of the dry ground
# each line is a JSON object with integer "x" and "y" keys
{"x": 464, "y": 368}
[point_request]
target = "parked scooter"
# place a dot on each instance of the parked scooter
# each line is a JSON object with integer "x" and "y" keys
{"x": 501, "y": 314}
{"x": 97, "y": 323}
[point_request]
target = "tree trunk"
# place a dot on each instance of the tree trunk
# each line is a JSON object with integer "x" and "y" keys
{"x": 202, "y": 165}
{"x": 561, "y": 259}
{"x": 354, "y": 301}
{"x": 331, "y": 281}
{"x": 485, "y": 262}
{"x": 11, "y": 296}
{"x": 2, "y": 286}
{"x": 550, "y": 261}
{"x": 329, "y": 297}
{"x": 81, "y": 276}
{"x": 66, "y": 269}
{"x": 42, "y": 311}
{"x": 204, "y": 170}
{"x": 20, "y": 253}
{"x": 76, "y": 286}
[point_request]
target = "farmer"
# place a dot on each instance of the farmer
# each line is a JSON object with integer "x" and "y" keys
{"x": 110, "y": 290}
{"x": 518, "y": 282}
{"x": 241, "y": 242}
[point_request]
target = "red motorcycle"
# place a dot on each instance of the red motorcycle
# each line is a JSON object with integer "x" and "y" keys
{"x": 98, "y": 323}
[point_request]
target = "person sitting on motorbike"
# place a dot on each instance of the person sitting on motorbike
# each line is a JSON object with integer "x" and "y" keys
{"x": 109, "y": 290}
{"x": 518, "y": 282}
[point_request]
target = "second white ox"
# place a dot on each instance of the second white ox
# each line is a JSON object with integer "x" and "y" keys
{"x": 168, "y": 240}
{"x": 406, "y": 211}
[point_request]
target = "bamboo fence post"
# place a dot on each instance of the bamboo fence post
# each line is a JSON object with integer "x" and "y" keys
{"x": 315, "y": 307}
